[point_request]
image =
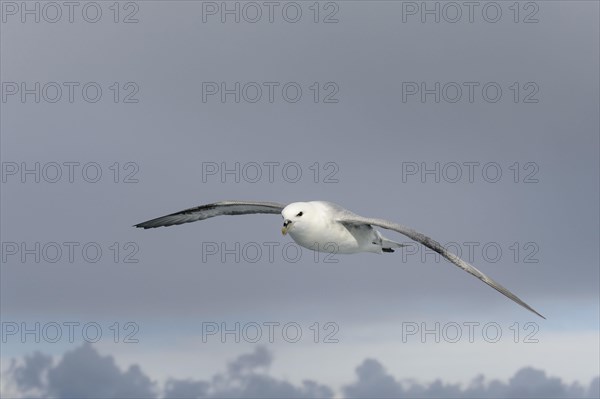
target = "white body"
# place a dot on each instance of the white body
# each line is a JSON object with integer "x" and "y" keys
{"x": 314, "y": 229}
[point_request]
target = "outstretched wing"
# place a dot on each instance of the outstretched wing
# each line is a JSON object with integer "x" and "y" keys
{"x": 352, "y": 219}
{"x": 211, "y": 210}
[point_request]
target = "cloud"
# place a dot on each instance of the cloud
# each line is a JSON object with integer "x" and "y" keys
{"x": 245, "y": 378}
{"x": 374, "y": 381}
{"x": 250, "y": 361}
{"x": 30, "y": 375}
{"x": 186, "y": 389}
{"x": 83, "y": 373}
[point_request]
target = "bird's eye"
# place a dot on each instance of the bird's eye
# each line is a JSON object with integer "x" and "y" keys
{"x": 300, "y": 214}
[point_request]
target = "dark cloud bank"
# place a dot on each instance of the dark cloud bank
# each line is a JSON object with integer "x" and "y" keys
{"x": 84, "y": 373}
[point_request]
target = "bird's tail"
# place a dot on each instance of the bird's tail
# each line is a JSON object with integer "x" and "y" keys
{"x": 387, "y": 245}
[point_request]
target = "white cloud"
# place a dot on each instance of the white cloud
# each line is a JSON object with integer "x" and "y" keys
{"x": 83, "y": 372}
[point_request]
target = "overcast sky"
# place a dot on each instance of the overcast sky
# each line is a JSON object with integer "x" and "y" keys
{"x": 480, "y": 130}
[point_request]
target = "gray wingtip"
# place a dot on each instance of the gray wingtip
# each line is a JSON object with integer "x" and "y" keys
{"x": 537, "y": 313}
{"x": 144, "y": 225}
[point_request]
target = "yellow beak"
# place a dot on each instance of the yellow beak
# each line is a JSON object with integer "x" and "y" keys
{"x": 284, "y": 230}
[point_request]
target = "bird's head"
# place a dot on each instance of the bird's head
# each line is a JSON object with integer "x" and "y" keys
{"x": 294, "y": 216}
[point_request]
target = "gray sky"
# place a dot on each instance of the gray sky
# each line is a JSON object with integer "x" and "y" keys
{"x": 370, "y": 139}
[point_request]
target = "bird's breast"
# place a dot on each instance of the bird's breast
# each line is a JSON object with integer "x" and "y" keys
{"x": 326, "y": 238}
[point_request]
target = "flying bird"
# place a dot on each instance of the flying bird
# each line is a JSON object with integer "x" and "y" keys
{"x": 327, "y": 227}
